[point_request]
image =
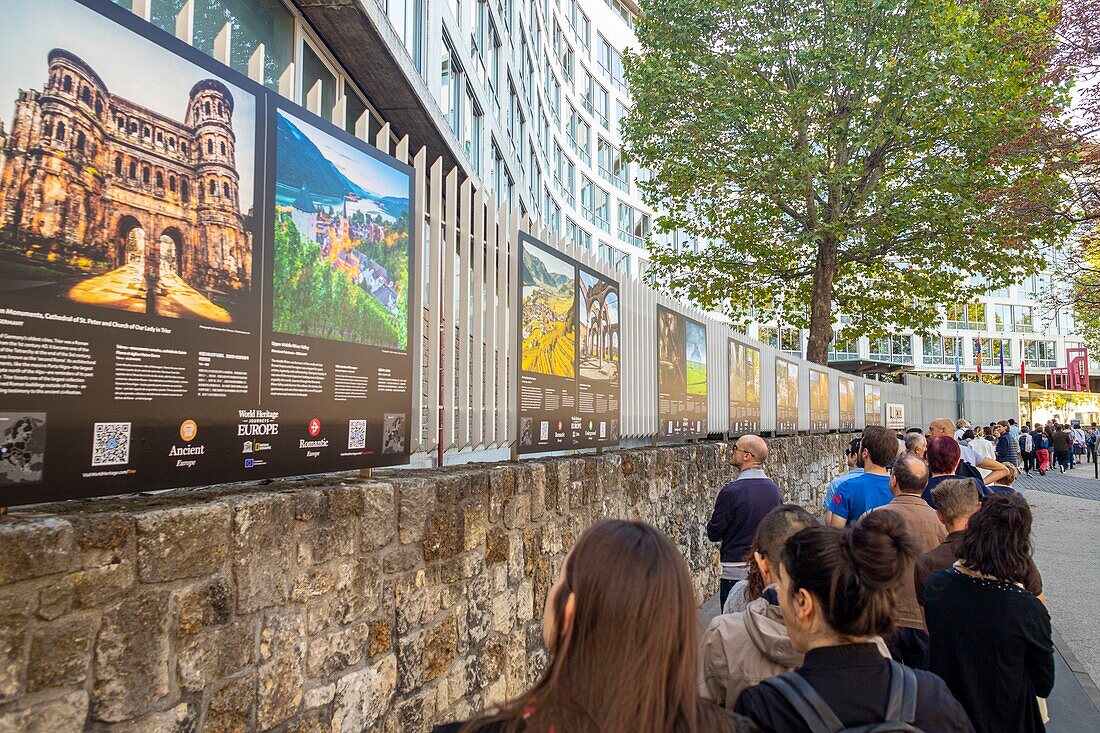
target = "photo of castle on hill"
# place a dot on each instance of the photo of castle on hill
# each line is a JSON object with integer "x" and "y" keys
{"x": 123, "y": 171}
{"x": 341, "y": 240}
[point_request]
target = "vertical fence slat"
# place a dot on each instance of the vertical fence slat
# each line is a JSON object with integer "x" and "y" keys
{"x": 450, "y": 322}
{"x": 416, "y": 299}
{"x": 435, "y": 237}
{"x": 506, "y": 383}
{"x": 462, "y": 387}
{"x": 493, "y": 228}
{"x": 477, "y": 358}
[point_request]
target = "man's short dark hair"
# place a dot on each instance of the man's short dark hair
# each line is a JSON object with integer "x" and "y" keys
{"x": 853, "y": 447}
{"x": 915, "y": 430}
{"x": 1011, "y": 421}
{"x": 880, "y": 443}
{"x": 911, "y": 473}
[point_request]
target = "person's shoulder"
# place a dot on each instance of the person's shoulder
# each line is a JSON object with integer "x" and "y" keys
{"x": 456, "y": 726}
{"x": 937, "y": 708}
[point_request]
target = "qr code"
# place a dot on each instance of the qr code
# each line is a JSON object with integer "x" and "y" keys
{"x": 357, "y": 434}
{"x": 111, "y": 444}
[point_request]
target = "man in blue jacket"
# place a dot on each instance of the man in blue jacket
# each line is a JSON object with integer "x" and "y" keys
{"x": 739, "y": 507}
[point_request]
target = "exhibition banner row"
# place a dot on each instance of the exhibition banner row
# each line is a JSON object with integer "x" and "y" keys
{"x": 201, "y": 283}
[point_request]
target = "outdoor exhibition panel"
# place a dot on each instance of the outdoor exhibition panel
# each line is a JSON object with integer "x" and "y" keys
{"x": 847, "y": 398}
{"x": 744, "y": 388}
{"x": 872, "y": 404}
{"x": 199, "y": 281}
{"x": 569, "y": 353}
{"x": 786, "y": 396}
{"x": 819, "y": 401}
{"x": 681, "y": 376}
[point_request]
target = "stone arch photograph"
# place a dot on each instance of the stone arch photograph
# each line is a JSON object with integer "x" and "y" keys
{"x": 599, "y": 328}
{"x": 126, "y": 172}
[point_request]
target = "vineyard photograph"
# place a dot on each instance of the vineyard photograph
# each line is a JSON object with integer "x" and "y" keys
{"x": 548, "y": 323}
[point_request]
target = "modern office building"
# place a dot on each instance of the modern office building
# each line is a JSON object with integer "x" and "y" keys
{"x": 524, "y": 97}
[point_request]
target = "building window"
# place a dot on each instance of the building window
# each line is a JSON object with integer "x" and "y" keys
{"x": 611, "y": 63}
{"x": 450, "y": 86}
{"x": 80, "y": 141}
{"x": 1040, "y": 354}
{"x": 615, "y": 258}
{"x": 160, "y": 180}
{"x": 118, "y": 166}
{"x": 991, "y": 352}
{"x": 252, "y": 23}
{"x": 406, "y": 16}
{"x": 942, "y": 350}
{"x": 613, "y": 166}
{"x": 354, "y": 110}
{"x": 1023, "y": 318}
{"x": 843, "y": 349}
{"x": 317, "y": 78}
{"x": 633, "y": 225}
{"x": 471, "y": 129}
{"x": 969, "y": 317}
{"x": 893, "y": 349}
{"x": 144, "y": 175}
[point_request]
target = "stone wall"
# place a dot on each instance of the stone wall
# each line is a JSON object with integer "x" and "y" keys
{"x": 328, "y": 605}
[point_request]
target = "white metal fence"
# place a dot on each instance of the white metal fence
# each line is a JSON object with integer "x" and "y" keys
{"x": 466, "y": 244}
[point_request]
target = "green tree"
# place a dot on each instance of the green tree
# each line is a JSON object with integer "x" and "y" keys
{"x": 867, "y": 157}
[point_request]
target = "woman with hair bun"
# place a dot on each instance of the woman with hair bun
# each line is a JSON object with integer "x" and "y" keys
{"x": 990, "y": 636}
{"x": 837, "y": 589}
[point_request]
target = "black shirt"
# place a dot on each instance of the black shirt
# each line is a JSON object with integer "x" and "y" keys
{"x": 991, "y": 643}
{"x": 855, "y": 682}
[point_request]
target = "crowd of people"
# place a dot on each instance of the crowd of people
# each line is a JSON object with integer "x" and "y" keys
{"x": 914, "y": 606}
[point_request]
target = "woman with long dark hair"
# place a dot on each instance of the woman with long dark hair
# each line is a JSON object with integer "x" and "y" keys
{"x": 837, "y": 589}
{"x": 990, "y": 636}
{"x": 622, "y": 627}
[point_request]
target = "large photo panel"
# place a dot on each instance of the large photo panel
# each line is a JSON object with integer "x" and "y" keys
{"x": 681, "y": 376}
{"x": 570, "y": 351}
{"x": 786, "y": 396}
{"x": 336, "y": 355}
{"x": 819, "y": 401}
{"x": 744, "y": 388}
{"x": 872, "y": 404}
{"x": 847, "y": 398}
{"x": 130, "y": 186}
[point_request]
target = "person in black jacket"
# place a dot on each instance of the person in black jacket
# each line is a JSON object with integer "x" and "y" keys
{"x": 990, "y": 635}
{"x": 837, "y": 589}
{"x": 738, "y": 509}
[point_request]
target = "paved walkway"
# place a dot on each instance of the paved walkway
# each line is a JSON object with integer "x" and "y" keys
{"x": 1077, "y": 482}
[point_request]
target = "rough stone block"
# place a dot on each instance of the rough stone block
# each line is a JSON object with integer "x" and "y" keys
{"x": 401, "y": 559}
{"x": 65, "y": 714}
{"x": 14, "y": 618}
{"x": 443, "y": 539}
{"x": 417, "y": 504}
{"x": 282, "y": 648}
{"x": 60, "y": 654}
{"x": 336, "y": 650}
{"x": 33, "y": 548}
{"x": 379, "y": 523}
{"x": 319, "y": 696}
{"x": 183, "y": 718}
{"x": 310, "y": 721}
{"x": 364, "y": 697}
{"x": 131, "y": 658}
{"x": 439, "y": 649}
{"x": 323, "y": 540}
{"x": 103, "y": 538}
{"x": 261, "y": 552}
{"x": 97, "y": 586}
{"x": 475, "y": 523}
{"x": 230, "y": 708}
{"x": 182, "y": 542}
{"x": 215, "y": 654}
{"x": 381, "y": 637}
{"x": 203, "y": 605}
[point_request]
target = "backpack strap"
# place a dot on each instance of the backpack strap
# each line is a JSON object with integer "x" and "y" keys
{"x": 801, "y": 696}
{"x": 902, "y": 703}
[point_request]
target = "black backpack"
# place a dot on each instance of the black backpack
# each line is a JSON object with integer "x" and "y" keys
{"x": 901, "y": 707}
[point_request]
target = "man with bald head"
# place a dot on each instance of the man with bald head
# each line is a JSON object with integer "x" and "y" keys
{"x": 739, "y": 507}
{"x": 945, "y": 426}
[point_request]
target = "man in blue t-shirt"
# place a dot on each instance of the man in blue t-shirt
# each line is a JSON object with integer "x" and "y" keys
{"x": 860, "y": 494}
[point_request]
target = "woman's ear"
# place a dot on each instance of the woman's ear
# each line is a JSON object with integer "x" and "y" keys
{"x": 804, "y": 607}
{"x": 568, "y": 614}
{"x": 765, "y": 567}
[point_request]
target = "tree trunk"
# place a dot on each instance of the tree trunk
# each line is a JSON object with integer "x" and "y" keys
{"x": 821, "y": 302}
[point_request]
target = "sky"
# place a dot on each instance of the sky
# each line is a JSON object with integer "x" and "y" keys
{"x": 373, "y": 175}
{"x": 129, "y": 65}
{"x": 696, "y": 343}
{"x": 552, "y": 264}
